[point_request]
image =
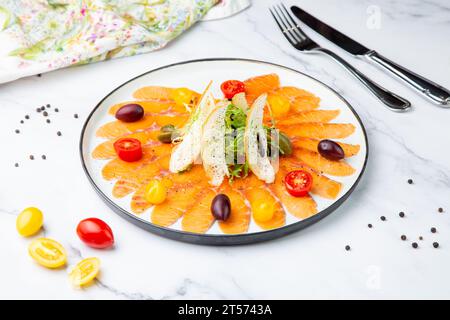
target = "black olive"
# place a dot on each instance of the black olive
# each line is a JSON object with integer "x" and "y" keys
{"x": 221, "y": 207}
{"x": 130, "y": 113}
{"x": 330, "y": 150}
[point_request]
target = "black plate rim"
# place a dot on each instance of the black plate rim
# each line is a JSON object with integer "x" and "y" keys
{"x": 218, "y": 239}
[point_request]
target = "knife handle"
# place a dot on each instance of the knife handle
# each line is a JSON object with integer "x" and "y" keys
{"x": 391, "y": 100}
{"x": 427, "y": 88}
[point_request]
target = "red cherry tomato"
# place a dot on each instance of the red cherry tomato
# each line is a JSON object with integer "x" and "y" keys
{"x": 298, "y": 183}
{"x": 231, "y": 88}
{"x": 95, "y": 233}
{"x": 128, "y": 149}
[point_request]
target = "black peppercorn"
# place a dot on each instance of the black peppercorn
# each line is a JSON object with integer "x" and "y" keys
{"x": 436, "y": 245}
{"x": 403, "y": 237}
{"x": 410, "y": 181}
{"x": 347, "y": 248}
{"x": 383, "y": 218}
{"x": 401, "y": 214}
{"x": 369, "y": 225}
{"x": 441, "y": 210}
{"x": 415, "y": 245}
{"x": 59, "y": 133}
{"x": 433, "y": 230}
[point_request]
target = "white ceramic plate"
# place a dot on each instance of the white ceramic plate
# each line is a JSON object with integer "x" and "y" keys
{"x": 196, "y": 75}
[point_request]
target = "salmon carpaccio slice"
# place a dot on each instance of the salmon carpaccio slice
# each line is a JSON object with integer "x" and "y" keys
{"x": 321, "y": 164}
{"x": 239, "y": 219}
{"x": 311, "y": 144}
{"x": 105, "y": 150}
{"x": 322, "y": 185}
{"x": 198, "y": 218}
{"x": 299, "y": 207}
{"x": 256, "y": 86}
{"x": 151, "y": 107}
{"x": 319, "y": 130}
{"x": 301, "y": 100}
{"x": 154, "y": 93}
{"x": 118, "y": 168}
{"x": 116, "y": 129}
{"x": 135, "y": 179}
{"x": 308, "y": 116}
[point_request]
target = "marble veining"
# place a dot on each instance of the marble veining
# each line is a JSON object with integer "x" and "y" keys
{"x": 309, "y": 264}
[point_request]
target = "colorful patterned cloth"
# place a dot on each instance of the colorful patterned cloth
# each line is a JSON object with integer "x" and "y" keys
{"x": 37, "y": 36}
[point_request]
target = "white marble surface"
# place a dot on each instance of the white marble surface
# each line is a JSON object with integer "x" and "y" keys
{"x": 309, "y": 264}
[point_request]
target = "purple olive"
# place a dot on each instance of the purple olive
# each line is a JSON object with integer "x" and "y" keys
{"x": 330, "y": 150}
{"x": 130, "y": 113}
{"x": 221, "y": 207}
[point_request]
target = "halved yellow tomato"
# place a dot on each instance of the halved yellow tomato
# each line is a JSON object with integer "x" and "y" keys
{"x": 279, "y": 105}
{"x": 85, "y": 271}
{"x": 155, "y": 192}
{"x": 182, "y": 96}
{"x": 48, "y": 253}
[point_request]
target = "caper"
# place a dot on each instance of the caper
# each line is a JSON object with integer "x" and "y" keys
{"x": 168, "y": 128}
{"x": 285, "y": 144}
{"x": 165, "y": 137}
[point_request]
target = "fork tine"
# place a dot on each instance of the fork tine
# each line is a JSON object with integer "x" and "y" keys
{"x": 283, "y": 29}
{"x": 293, "y": 25}
{"x": 287, "y": 30}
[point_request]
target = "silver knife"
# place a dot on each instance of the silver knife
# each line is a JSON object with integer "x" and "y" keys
{"x": 427, "y": 88}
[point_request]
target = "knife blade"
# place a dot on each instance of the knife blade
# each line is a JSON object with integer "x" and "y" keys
{"x": 427, "y": 88}
{"x": 330, "y": 33}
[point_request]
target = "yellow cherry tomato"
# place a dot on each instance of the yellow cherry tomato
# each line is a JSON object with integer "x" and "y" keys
{"x": 263, "y": 210}
{"x": 182, "y": 96}
{"x": 279, "y": 105}
{"x": 155, "y": 192}
{"x": 85, "y": 271}
{"x": 48, "y": 253}
{"x": 29, "y": 221}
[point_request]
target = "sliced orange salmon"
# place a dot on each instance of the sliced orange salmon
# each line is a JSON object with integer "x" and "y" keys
{"x": 151, "y": 107}
{"x": 131, "y": 181}
{"x": 254, "y": 87}
{"x": 308, "y": 116}
{"x": 154, "y": 93}
{"x": 300, "y": 207}
{"x": 105, "y": 150}
{"x": 180, "y": 198}
{"x": 198, "y": 218}
{"x": 301, "y": 100}
{"x": 239, "y": 219}
{"x": 322, "y": 185}
{"x": 319, "y": 130}
{"x": 117, "y": 128}
{"x": 279, "y": 218}
{"x": 118, "y": 168}
{"x": 311, "y": 144}
{"x": 321, "y": 164}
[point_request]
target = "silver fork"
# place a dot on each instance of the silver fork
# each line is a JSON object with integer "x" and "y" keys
{"x": 300, "y": 41}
